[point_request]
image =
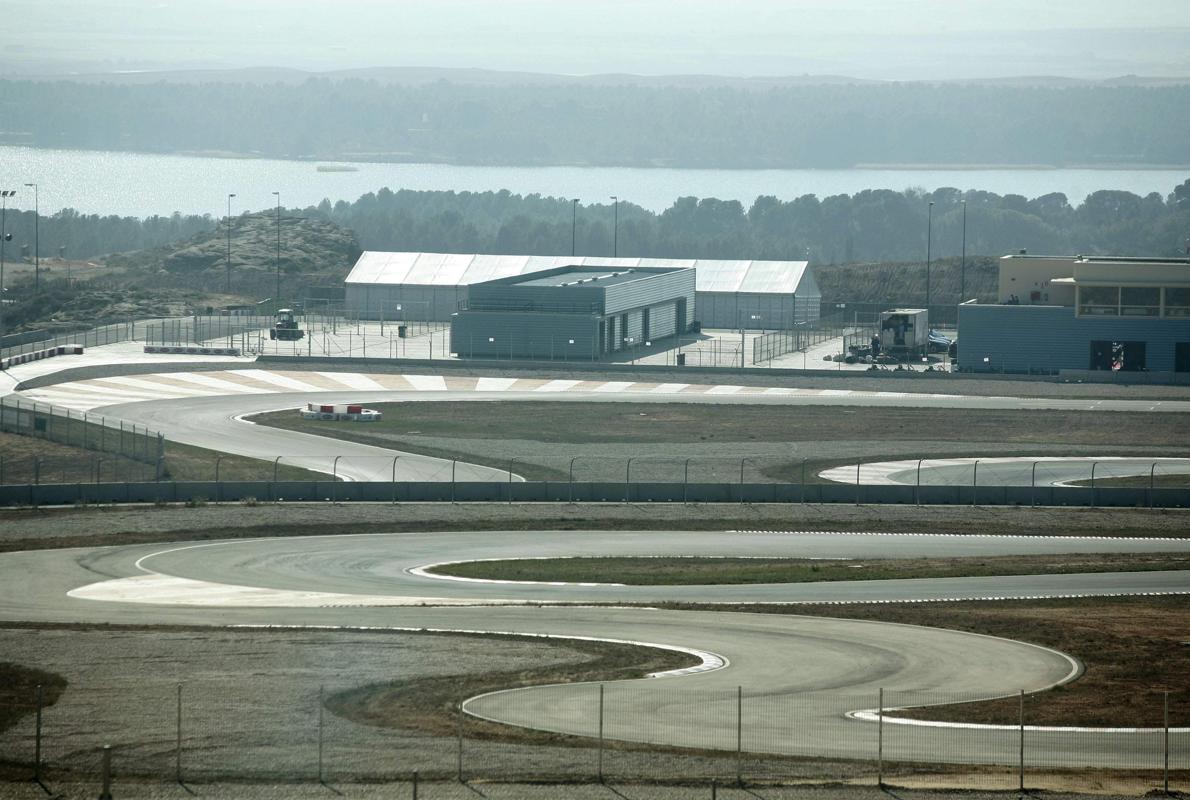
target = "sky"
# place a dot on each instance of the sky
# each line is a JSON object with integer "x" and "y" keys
{"x": 872, "y": 39}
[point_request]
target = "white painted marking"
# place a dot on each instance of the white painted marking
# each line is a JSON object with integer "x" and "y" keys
{"x": 353, "y": 380}
{"x": 426, "y": 383}
{"x": 224, "y": 386}
{"x": 494, "y": 384}
{"x": 613, "y": 386}
{"x": 670, "y": 388}
{"x": 282, "y": 381}
{"x": 723, "y": 389}
{"x": 557, "y": 386}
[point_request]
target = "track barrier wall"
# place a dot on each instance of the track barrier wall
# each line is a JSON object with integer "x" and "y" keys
{"x": 328, "y": 490}
{"x": 208, "y": 728}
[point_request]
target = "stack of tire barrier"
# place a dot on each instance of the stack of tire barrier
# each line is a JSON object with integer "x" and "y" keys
{"x": 37, "y": 355}
{"x": 192, "y": 351}
{"x": 344, "y": 411}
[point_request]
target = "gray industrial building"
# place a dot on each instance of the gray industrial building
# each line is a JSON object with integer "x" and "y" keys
{"x": 768, "y": 295}
{"x": 573, "y": 312}
{"x": 1075, "y": 314}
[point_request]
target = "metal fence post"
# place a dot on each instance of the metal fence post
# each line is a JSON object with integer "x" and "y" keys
{"x": 178, "y": 744}
{"x": 1093, "y": 465}
{"x": 974, "y": 482}
{"x": 859, "y": 463}
{"x": 321, "y": 779}
{"x": 880, "y": 738}
{"x": 1021, "y": 786}
{"x": 459, "y": 771}
{"x": 414, "y": 784}
{"x": 917, "y": 489}
{"x": 627, "y": 481}
{"x": 739, "y": 735}
{"x": 802, "y": 496}
{"x": 1165, "y": 768}
{"x": 599, "y": 772}
{"x": 37, "y": 741}
{"x": 106, "y": 792}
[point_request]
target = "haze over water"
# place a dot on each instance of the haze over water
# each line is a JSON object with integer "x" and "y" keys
{"x": 140, "y": 185}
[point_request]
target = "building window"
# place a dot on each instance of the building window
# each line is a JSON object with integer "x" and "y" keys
{"x": 1118, "y": 356}
{"x": 1181, "y": 357}
{"x": 1140, "y": 301}
{"x": 1177, "y": 301}
{"x": 1099, "y": 300}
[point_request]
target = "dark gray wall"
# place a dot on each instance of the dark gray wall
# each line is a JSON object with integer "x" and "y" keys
{"x": 564, "y": 491}
{"x": 1023, "y": 338}
{"x": 524, "y": 335}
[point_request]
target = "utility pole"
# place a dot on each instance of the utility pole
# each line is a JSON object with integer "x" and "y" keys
{"x": 4, "y": 237}
{"x": 573, "y": 223}
{"x": 963, "y": 263}
{"x": 616, "y": 227}
{"x": 929, "y": 240}
{"x": 228, "y": 285}
{"x": 36, "y": 240}
{"x": 277, "y": 269}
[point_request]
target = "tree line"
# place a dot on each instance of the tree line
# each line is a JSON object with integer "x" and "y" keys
{"x": 827, "y": 125}
{"x": 869, "y": 226}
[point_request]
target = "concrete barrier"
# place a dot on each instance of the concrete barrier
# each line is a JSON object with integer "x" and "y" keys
{"x": 38, "y": 355}
{"x": 565, "y": 491}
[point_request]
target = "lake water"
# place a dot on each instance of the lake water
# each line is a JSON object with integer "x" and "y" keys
{"x": 134, "y": 184}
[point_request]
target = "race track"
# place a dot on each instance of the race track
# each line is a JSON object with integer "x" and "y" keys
{"x": 829, "y": 669}
{"x": 203, "y": 409}
{"x": 826, "y": 668}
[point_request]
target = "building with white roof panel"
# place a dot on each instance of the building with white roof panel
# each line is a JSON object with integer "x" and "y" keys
{"x": 433, "y": 286}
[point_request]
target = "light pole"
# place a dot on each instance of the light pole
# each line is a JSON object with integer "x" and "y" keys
{"x": 4, "y": 237}
{"x": 228, "y": 286}
{"x": 929, "y": 239}
{"x": 615, "y": 226}
{"x": 36, "y": 240}
{"x": 573, "y": 223}
{"x": 277, "y": 268}
{"x": 963, "y": 262}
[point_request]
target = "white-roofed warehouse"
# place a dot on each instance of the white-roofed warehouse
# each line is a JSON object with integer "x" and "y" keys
{"x": 728, "y": 294}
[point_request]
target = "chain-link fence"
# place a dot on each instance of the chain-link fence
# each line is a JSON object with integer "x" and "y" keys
{"x": 129, "y": 452}
{"x": 216, "y": 728}
{"x": 777, "y": 343}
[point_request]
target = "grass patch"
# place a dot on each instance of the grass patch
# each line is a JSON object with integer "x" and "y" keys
{"x": 18, "y": 691}
{"x": 653, "y": 423}
{"x": 668, "y": 571}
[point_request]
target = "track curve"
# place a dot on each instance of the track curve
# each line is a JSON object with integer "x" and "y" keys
{"x": 826, "y": 668}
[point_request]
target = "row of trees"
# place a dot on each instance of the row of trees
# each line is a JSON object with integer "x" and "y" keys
{"x": 835, "y": 125}
{"x": 869, "y": 226}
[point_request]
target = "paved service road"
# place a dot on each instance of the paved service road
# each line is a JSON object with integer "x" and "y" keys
{"x": 816, "y": 670}
{"x": 1005, "y": 470}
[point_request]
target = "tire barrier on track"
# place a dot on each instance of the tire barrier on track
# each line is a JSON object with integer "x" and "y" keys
{"x": 565, "y": 492}
{"x": 38, "y": 355}
{"x": 192, "y": 351}
{"x": 341, "y": 411}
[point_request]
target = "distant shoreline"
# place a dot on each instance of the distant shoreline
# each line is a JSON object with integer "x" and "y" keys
{"x": 411, "y": 159}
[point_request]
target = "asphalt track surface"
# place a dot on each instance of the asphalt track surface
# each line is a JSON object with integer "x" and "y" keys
{"x": 823, "y": 669}
{"x": 1005, "y": 470}
{"x": 205, "y": 410}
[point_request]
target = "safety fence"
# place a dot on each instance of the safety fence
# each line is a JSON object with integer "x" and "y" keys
{"x": 124, "y": 451}
{"x": 281, "y": 729}
{"x": 86, "y": 491}
{"x": 133, "y": 330}
{"x": 777, "y": 343}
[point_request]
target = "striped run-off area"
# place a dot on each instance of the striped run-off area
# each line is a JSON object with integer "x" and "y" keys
{"x": 85, "y": 395}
